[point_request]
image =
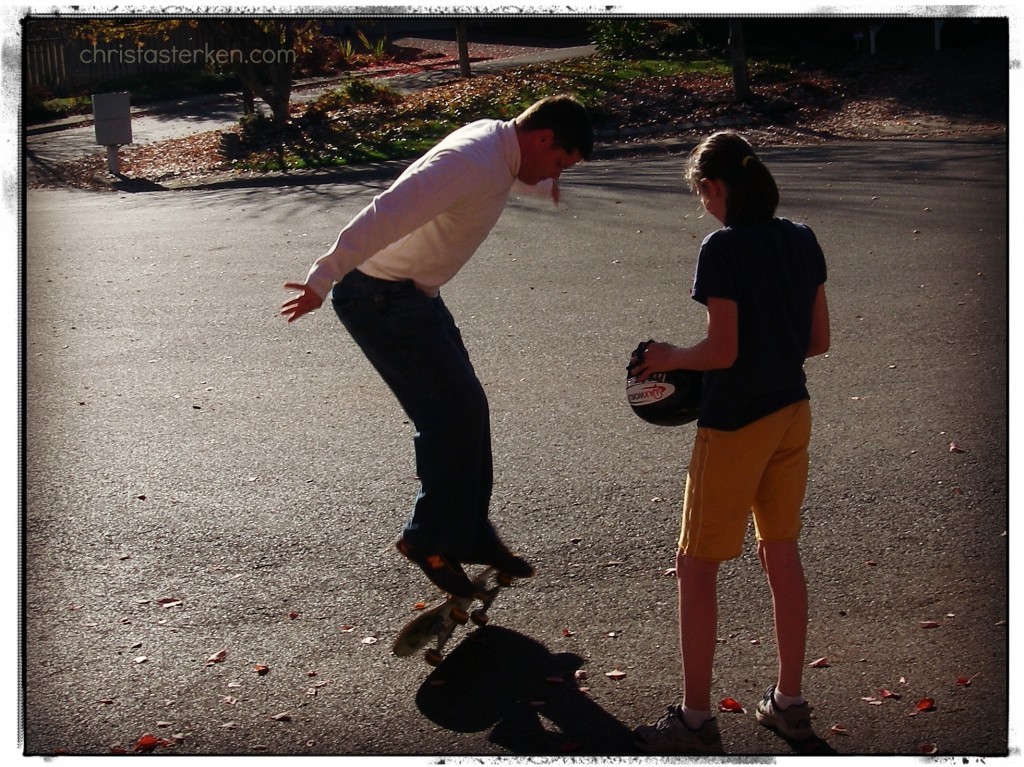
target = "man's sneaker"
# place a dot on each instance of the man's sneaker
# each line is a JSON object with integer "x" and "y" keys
{"x": 499, "y": 557}
{"x": 443, "y": 571}
{"x": 793, "y": 722}
{"x": 670, "y": 735}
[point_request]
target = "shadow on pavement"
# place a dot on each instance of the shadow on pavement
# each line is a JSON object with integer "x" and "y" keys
{"x": 813, "y": 746}
{"x": 499, "y": 678}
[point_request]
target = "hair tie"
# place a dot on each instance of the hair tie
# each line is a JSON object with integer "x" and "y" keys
{"x": 746, "y": 159}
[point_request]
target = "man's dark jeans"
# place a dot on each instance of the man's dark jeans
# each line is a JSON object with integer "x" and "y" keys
{"x": 413, "y": 342}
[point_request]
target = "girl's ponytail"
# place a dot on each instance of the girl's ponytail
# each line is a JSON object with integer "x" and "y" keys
{"x": 726, "y": 156}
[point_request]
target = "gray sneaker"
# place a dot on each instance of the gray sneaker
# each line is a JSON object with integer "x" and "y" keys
{"x": 670, "y": 735}
{"x": 793, "y": 722}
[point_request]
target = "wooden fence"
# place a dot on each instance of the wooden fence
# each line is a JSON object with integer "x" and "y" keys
{"x": 62, "y": 65}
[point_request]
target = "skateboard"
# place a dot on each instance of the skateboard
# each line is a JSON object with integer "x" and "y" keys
{"x": 439, "y": 623}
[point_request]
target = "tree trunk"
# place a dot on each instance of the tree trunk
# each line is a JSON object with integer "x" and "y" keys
{"x": 738, "y": 53}
{"x": 461, "y": 38}
{"x": 270, "y": 80}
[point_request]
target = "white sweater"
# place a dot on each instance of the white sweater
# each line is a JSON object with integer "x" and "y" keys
{"x": 429, "y": 223}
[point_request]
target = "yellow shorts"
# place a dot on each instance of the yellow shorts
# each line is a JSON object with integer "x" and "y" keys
{"x": 761, "y": 468}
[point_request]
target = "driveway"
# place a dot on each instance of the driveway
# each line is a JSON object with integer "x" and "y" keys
{"x": 209, "y": 490}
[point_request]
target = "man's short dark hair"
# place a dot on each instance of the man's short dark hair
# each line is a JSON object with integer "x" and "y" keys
{"x": 566, "y": 118}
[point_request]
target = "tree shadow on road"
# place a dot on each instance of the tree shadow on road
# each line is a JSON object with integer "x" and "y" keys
{"x": 499, "y": 678}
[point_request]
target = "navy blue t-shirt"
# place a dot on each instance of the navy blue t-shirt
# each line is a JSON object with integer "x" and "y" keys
{"x": 772, "y": 272}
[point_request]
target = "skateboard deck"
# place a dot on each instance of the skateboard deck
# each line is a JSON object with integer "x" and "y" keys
{"x": 438, "y": 624}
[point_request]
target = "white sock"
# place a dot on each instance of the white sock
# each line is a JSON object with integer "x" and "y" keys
{"x": 694, "y": 719}
{"x": 785, "y": 701}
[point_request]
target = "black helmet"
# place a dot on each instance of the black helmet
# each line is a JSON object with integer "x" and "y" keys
{"x": 671, "y": 398}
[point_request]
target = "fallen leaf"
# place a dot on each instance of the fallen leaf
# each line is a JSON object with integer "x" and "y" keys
{"x": 925, "y": 704}
{"x": 294, "y": 615}
{"x": 370, "y": 640}
{"x": 838, "y": 729}
{"x": 580, "y": 675}
{"x": 149, "y": 742}
{"x": 955, "y": 448}
{"x": 284, "y": 716}
{"x": 820, "y": 663}
{"x": 731, "y": 705}
{"x": 260, "y": 669}
{"x": 420, "y": 606}
{"x": 218, "y": 657}
{"x": 616, "y": 674}
{"x": 890, "y": 694}
{"x": 930, "y": 624}
{"x": 929, "y": 748}
{"x": 567, "y": 633}
{"x": 346, "y": 629}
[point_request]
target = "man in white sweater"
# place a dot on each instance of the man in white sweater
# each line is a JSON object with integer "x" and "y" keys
{"x": 384, "y": 275}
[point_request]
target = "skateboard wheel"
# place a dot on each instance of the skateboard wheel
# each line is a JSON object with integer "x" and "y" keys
{"x": 433, "y": 656}
{"x": 504, "y": 579}
{"x": 459, "y": 615}
{"x": 480, "y": 617}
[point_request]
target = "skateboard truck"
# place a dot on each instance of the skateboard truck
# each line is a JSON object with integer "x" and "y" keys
{"x": 440, "y": 623}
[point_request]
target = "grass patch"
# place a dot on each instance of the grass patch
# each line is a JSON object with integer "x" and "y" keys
{"x": 365, "y": 122}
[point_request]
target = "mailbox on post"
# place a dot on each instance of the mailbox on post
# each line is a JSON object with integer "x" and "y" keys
{"x": 113, "y": 119}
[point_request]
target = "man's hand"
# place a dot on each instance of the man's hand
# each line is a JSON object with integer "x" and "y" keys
{"x": 304, "y": 303}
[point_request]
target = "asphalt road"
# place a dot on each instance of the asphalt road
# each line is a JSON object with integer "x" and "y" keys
{"x": 208, "y": 489}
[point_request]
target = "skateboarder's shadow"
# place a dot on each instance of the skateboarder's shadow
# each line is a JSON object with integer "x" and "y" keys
{"x": 499, "y": 678}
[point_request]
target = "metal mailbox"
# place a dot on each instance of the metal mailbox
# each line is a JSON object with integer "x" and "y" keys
{"x": 113, "y": 118}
